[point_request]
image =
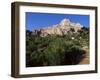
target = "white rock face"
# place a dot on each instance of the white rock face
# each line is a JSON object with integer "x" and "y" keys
{"x": 60, "y": 29}
{"x": 77, "y": 27}
{"x": 65, "y": 22}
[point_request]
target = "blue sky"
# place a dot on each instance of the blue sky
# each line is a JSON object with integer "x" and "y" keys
{"x": 40, "y": 20}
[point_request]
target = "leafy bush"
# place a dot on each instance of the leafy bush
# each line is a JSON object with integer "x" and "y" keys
{"x": 53, "y": 50}
{"x": 74, "y": 55}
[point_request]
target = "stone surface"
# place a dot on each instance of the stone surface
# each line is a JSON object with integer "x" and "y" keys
{"x": 61, "y": 28}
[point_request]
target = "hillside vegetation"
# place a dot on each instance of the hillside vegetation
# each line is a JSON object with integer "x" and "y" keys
{"x": 53, "y": 50}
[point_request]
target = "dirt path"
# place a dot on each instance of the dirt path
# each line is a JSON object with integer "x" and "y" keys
{"x": 86, "y": 59}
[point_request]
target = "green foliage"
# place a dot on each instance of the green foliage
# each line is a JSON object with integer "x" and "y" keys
{"x": 74, "y": 55}
{"x": 55, "y": 50}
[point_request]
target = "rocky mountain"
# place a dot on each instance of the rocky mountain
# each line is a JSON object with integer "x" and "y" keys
{"x": 62, "y": 28}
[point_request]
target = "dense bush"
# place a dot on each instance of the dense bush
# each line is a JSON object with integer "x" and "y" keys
{"x": 55, "y": 50}
{"x": 74, "y": 55}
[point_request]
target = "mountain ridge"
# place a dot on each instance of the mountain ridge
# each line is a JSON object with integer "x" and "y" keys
{"x": 61, "y": 28}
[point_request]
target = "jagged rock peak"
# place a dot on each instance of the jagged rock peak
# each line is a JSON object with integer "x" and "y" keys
{"x": 61, "y": 28}
{"x": 65, "y": 22}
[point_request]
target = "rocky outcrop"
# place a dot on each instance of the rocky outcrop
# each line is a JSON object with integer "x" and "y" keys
{"x": 60, "y": 29}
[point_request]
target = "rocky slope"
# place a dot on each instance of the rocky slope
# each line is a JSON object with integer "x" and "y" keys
{"x": 62, "y": 28}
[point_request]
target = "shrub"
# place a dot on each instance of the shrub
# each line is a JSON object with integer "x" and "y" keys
{"x": 74, "y": 55}
{"x": 53, "y": 50}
